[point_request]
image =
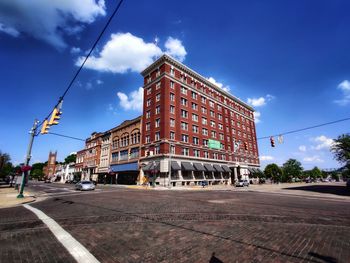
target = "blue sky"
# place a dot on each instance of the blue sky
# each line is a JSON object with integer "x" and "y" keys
{"x": 288, "y": 59}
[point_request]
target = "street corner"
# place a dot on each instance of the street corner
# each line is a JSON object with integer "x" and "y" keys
{"x": 8, "y": 197}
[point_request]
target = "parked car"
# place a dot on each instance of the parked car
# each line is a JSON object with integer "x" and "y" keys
{"x": 84, "y": 186}
{"x": 47, "y": 181}
{"x": 242, "y": 183}
{"x": 204, "y": 183}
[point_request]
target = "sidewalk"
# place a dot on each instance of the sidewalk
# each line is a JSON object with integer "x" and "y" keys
{"x": 8, "y": 197}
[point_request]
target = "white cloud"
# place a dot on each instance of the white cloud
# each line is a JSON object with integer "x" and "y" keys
{"x": 313, "y": 159}
{"x": 9, "y": 30}
{"x": 75, "y": 50}
{"x": 323, "y": 143}
{"x": 344, "y": 86}
{"x": 302, "y": 148}
{"x": 122, "y": 53}
{"x": 266, "y": 158}
{"x": 132, "y": 102}
{"x": 257, "y": 115}
{"x": 256, "y": 102}
{"x": 48, "y": 20}
{"x": 175, "y": 48}
{"x": 89, "y": 86}
{"x": 99, "y": 82}
{"x": 220, "y": 85}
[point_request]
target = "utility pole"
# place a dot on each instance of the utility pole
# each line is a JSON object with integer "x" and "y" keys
{"x": 29, "y": 152}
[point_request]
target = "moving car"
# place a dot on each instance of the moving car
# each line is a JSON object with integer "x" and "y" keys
{"x": 84, "y": 186}
{"x": 242, "y": 183}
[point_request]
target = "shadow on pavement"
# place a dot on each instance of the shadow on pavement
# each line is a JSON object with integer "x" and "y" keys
{"x": 325, "y": 189}
{"x": 324, "y": 258}
{"x": 214, "y": 259}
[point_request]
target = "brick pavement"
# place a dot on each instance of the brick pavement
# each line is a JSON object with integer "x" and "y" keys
{"x": 189, "y": 226}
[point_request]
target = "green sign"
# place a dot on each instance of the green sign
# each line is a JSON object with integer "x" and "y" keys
{"x": 214, "y": 144}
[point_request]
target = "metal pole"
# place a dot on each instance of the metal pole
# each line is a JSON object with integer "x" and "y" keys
{"x": 29, "y": 151}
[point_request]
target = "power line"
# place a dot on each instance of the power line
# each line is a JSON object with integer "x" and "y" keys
{"x": 66, "y": 136}
{"x": 86, "y": 58}
{"x": 304, "y": 129}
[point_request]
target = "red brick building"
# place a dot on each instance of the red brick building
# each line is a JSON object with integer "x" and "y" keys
{"x": 50, "y": 168}
{"x": 92, "y": 156}
{"x": 190, "y": 124}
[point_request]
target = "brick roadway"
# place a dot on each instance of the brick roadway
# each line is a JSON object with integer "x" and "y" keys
{"x": 183, "y": 226}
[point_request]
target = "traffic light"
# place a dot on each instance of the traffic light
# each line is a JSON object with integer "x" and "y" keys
{"x": 45, "y": 128}
{"x": 272, "y": 141}
{"x": 246, "y": 146}
{"x": 55, "y": 116}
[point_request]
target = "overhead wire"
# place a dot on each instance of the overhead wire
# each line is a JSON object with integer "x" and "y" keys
{"x": 86, "y": 58}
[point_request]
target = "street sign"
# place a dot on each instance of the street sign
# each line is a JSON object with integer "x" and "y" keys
{"x": 213, "y": 144}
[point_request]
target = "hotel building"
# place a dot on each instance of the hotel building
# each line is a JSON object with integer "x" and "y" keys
{"x": 193, "y": 130}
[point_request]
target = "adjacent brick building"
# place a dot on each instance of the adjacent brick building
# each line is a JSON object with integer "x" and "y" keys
{"x": 50, "y": 168}
{"x": 92, "y": 157}
{"x": 194, "y": 127}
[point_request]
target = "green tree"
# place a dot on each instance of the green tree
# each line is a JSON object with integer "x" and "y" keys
{"x": 341, "y": 149}
{"x": 272, "y": 171}
{"x": 4, "y": 164}
{"x": 37, "y": 171}
{"x": 291, "y": 169}
{"x": 70, "y": 159}
{"x": 316, "y": 173}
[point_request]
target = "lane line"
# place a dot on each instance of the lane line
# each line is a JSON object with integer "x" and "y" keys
{"x": 77, "y": 250}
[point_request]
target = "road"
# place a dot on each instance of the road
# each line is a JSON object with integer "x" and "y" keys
{"x": 126, "y": 225}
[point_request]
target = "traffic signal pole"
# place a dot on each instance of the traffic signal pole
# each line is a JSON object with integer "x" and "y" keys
{"x": 29, "y": 152}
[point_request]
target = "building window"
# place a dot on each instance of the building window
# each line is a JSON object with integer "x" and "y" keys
{"x": 172, "y": 72}
{"x": 212, "y": 124}
{"x": 184, "y": 138}
{"x": 205, "y": 131}
{"x": 183, "y": 102}
{"x": 172, "y": 149}
{"x": 156, "y": 149}
{"x": 172, "y": 97}
{"x": 215, "y": 156}
{"x": 195, "y": 117}
{"x": 158, "y": 85}
{"x": 213, "y": 134}
{"x": 183, "y": 90}
{"x": 148, "y": 114}
{"x": 148, "y": 126}
{"x": 148, "y": 139}
{"x": 172, "y": 135}
{"x": 212, "y": 114}
{"x": 196, "y": 153}
{"x": 172, "y": 123}
{"x": 157, "y": 136}
{"x": 157, "y": 123}
{"x": 204, "y": 100}
{"x": 157, "y": 109}
{"x": 219, "y": 116}
{"x": 148, "y": 103}
{"x": 194, "y": 106}
{"x": 172, "y": 109}
{"x": 194, "y": 95}
{"x": 195, "y": 129}
{"x": 149, "y": 90}
{"x": 221, "y": 136}
{"x": 158, "y": 97}
{"x": 206, "y": 155}
{"x": 195, "y": 140}
{"x": 204, "y": 110}
{"x": 184, "y": 126}
{"x": 205, "y": 142}
{"x": 220, "y": 126}
{"x": 184, "y": 114}
{"x": 172, "y": 84}
{"x": 219, "y": 108}
{"x": 204, "y": 121}
{"x": 185, "y": 151}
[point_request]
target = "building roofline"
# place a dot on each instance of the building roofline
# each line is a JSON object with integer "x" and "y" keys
{"x": 171, "y": 60}
{"x": 126, "y": 123}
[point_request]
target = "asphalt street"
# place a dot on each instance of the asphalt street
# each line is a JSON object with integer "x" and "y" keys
{"x": 126, "y": 225}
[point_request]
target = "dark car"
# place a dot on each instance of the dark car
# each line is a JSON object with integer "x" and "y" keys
{"x": 204, "y": 183}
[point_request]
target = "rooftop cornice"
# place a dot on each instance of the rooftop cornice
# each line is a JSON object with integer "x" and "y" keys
{"x": 166, "y": 58}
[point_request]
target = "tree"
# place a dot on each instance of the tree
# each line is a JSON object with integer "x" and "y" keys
{"x": 272, "y": 171}
{"x": 70, "y": 159}
{"x": 341, "y": 149}
{"x": 4, "y": 164}
{"x": 316, "y": 173}
{"x": 291, "y": 169}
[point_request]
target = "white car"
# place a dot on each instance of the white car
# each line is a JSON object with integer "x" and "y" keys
{"x": 84, "y": 186}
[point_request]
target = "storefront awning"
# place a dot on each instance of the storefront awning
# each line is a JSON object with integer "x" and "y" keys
{"x": 175, "y": 166}
{"x": 209, "y": 168}
{"x": 218, "y": 168}
{"x": 151, "y": 166}
{"x": 124, "y": 167}
{"x": 199, "y": 167}
{"x": 251, "y": 170}
{"x": 226, "y": 168}
{"x": 187, "y": 166}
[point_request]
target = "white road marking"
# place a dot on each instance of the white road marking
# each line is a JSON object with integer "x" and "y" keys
{"x": 77, "y": 250}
